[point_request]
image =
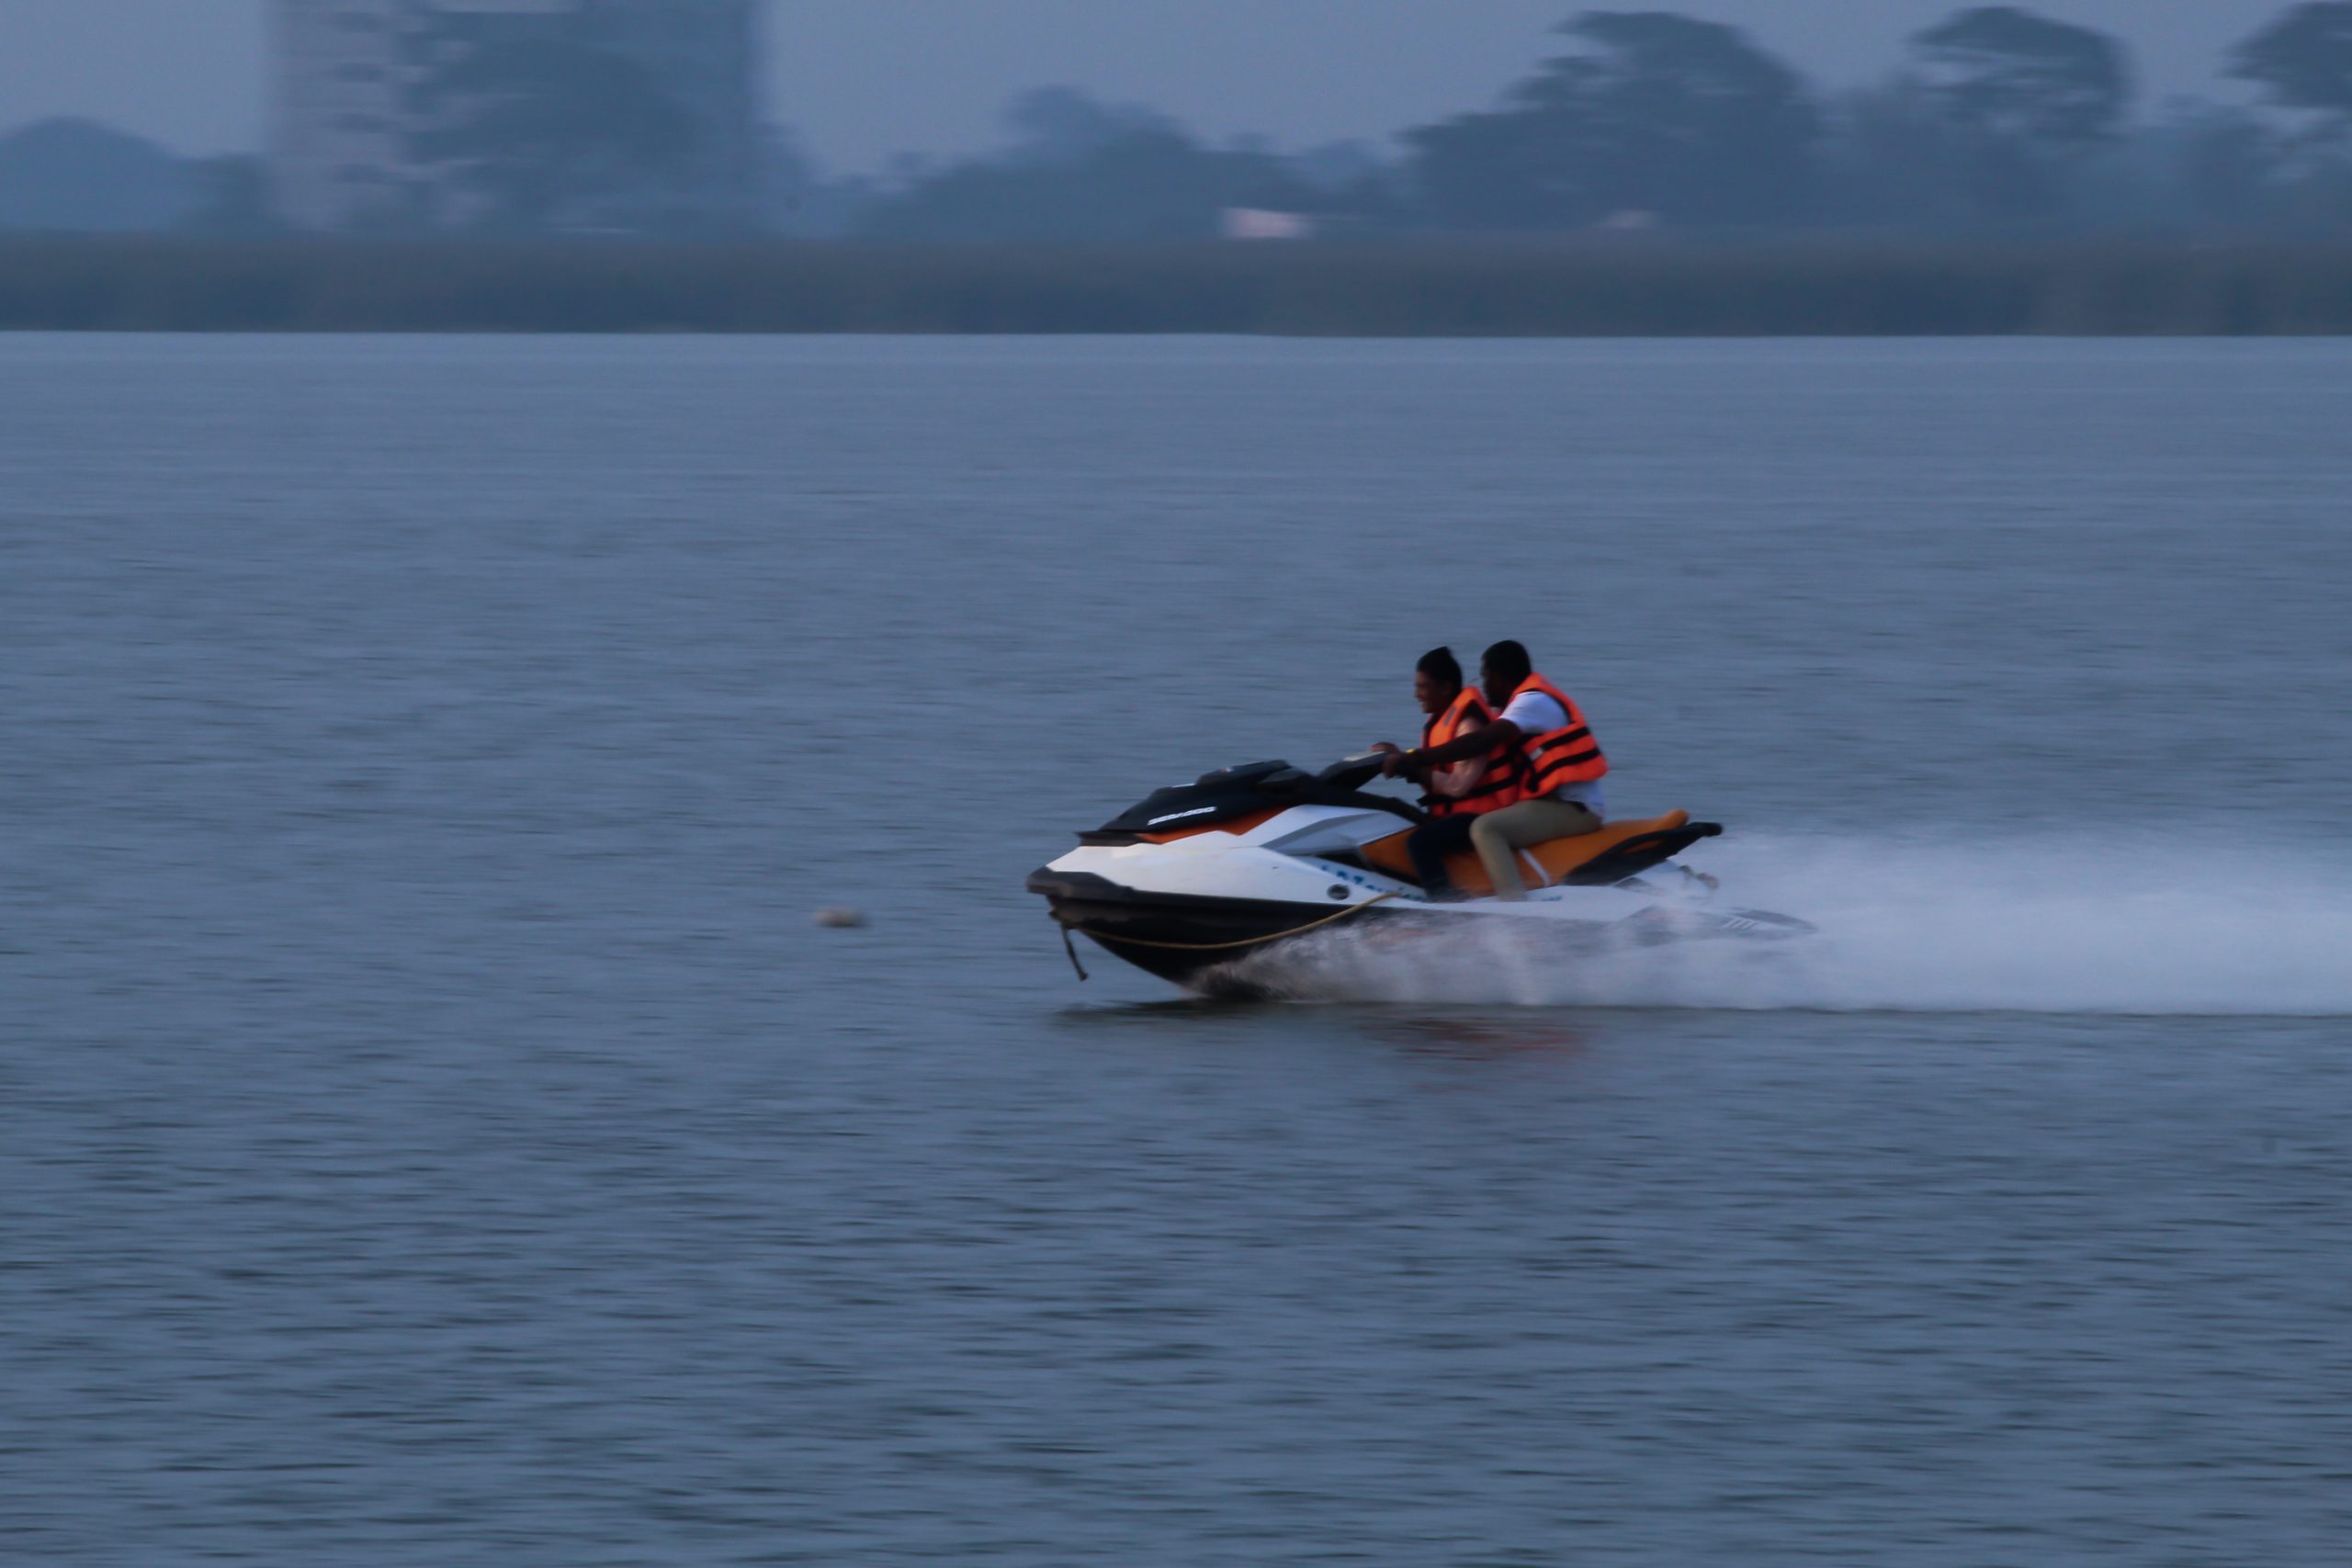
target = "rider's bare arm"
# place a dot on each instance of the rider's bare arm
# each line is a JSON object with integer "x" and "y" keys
{"x": 1477, "y": 743}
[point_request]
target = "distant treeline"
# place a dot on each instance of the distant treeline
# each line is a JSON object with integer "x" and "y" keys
{"x": 1502, "y": 290}
{"x": 1996, "y": 123}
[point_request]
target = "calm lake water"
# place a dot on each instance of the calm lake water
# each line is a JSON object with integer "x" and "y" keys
{"x": 432, "y": 1129}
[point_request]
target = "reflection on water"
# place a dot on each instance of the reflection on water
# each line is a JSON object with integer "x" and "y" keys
{"x": 1474, "y": 1037}
{"x": 1463, "y": 1035}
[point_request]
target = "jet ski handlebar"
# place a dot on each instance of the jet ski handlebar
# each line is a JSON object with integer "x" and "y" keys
{"x": 1229, "y": 794}
{"x": 1352, "y": 773}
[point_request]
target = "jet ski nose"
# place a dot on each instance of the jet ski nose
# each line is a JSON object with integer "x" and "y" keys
{"x": 1047, "y": 882}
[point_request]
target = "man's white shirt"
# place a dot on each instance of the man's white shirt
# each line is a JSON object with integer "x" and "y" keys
{"x": 1535, "y": 715}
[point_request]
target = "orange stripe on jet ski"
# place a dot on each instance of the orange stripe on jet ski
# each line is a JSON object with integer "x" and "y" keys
{"x": 1552, "y": 862}
{"x": 1556, "y": 858}
{"x": 1239, "y": 825}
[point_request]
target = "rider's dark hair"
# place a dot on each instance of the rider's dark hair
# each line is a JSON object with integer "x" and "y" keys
{"x": 1440, "y": 665}
{"x": 1510, "y": 662}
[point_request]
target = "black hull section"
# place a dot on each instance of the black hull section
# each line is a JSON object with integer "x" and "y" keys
{"x": 1176, "y": 937}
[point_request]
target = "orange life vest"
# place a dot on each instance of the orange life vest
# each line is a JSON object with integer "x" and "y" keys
{"x": 1498, "y": 784}
{"x": 1562, "y": 756}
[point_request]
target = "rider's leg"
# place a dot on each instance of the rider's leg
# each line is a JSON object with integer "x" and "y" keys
{"x": 1428, "y": 845}
{"x": 1499, "y": 835}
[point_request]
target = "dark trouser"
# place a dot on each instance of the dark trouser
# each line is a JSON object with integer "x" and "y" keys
{"x": 1431, "y": 844}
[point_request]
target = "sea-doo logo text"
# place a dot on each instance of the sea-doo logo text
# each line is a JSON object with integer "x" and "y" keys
{"x": 1178, "y": 817}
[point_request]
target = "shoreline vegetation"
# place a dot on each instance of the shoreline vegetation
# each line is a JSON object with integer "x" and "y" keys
{"x": 1632, "y": 289}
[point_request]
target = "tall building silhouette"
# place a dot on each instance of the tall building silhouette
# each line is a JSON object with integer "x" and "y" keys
{"x": 410, "y": 113}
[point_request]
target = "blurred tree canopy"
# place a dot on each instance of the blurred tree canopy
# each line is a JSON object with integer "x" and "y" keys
{"x": 2303, "y": 60}
{"x": 2026, "y": 99}
{"x": 1652, "y": 113}
{"x": 1082, "y": 172}
{"x": 72, "y": 176}
{"x": 233, "y": 199}
{"x": 2006, "y": 73}
{"x": 1062, "y": 124}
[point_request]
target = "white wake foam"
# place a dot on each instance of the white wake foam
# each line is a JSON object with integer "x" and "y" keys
{"x": 2051, "y": 923}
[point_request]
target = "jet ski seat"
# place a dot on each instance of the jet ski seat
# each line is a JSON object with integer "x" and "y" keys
{"x": 1618, "y": 851}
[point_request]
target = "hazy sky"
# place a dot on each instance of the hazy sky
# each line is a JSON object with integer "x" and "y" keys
{"x": 862, "y": 79}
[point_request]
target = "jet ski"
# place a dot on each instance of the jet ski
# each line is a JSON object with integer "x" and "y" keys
{"x": 1200, "y": 884}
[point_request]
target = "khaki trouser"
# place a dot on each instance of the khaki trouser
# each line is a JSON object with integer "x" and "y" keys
{"x": 1497, "y": 835}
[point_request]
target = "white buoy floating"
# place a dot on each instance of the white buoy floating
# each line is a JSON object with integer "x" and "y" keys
{"x": 841, "y": 919}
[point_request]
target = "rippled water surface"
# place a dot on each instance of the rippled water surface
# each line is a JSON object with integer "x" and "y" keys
{"x": 432, "y": 1129}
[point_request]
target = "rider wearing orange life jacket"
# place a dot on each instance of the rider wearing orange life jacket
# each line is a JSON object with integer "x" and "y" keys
{"x": 1467, "y": 788}
{"x": 1458, "y": 794}
{"x": 1542, "y": 733}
